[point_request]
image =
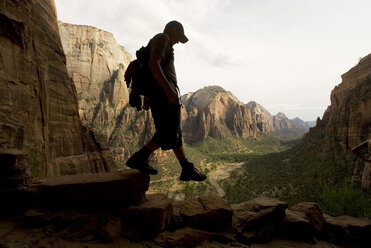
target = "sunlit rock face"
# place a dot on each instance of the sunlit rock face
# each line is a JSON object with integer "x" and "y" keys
{"x": 347, "y": 121}
{"x": 263, "y": 117}
{"x": 214, "y": 112}
{"x": 350, "y": 110}
{"x": 39, "y": 112}
{"x": 97, "y": 63}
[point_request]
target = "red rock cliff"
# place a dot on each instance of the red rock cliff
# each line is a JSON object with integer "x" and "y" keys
{"x": 39, "y": 112}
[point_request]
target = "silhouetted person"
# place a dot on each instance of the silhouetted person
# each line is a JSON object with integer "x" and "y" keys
{"x": 357, "y": 150}
{"x": 165, "y": 105}
{"x": 363, "y": 151}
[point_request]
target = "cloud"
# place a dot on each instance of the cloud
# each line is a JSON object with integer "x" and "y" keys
{"x": 285, "y": 106}
{"x": 133, "y": 23}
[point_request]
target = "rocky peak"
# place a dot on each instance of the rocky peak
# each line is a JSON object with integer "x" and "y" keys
{"x": 280, "y": 121}
{"x": 203, "y": 97}
{"x": 215, "y": 112}
{"x": 263, "y": 117}
{"x": 280, "y": 116}
{"x": 299, "y": 123}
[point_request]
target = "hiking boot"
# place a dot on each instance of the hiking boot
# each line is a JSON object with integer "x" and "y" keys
{"x": 191, "y": 173}
{"x": 141, "y": 164}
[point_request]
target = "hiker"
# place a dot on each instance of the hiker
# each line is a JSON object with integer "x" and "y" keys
{"x": 164, "y": 102}
{"x": 362, "y": 146}
{"x": 366, "y": 173}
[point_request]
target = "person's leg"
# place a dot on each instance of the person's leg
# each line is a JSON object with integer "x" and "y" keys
{"x": 189, "y": 172}
{"x": 152, "y": 146}
{"x": 179, "y": 153}
{"x": 139, "y": 160}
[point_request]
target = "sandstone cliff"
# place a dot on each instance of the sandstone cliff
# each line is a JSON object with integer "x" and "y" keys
{"x": 300, "y": 124}
{"x": 97, "y": 63}
{"x": 214, "y": 112}
{"x": 263, "y": 117}
{"x": 266, "y": 122}
{"x": 347, "y": 121}
{"x": 39, "y": 112}
{"x": 280, "y": 121}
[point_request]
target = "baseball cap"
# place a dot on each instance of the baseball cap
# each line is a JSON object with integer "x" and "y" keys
{"x": 179, "y": 28}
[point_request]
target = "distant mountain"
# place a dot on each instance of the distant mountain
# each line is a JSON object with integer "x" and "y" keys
{"x": 215, "y": 112}
{"x": 299, "y": 123}
{"x": 263, "y": 117}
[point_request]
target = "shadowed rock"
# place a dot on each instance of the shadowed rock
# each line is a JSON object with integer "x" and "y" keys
{"x": 148, "y": 218}
{"x": 348, "y": 230}
{"x": 257, "y": 220}
{"x": 210, "y": 213}
{"x": 109, "y": 189}
{"x": 188, "y": 237}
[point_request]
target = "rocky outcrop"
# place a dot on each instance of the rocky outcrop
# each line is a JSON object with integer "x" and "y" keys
{"x": 39, "y": 112}
{"x": 267, "y": 123}
{"x": 123, "y": 188}
{"x": 280, "y": 121}
{"x": 347, "y": 121}
{"x": 214, "y": 112}
{"x": 299, "y": 123}
{"x": 97, "y": 63}
{"x": 14, "y": 169}
{"x": 207, "y": 221}
{"x": 264, "y": 119}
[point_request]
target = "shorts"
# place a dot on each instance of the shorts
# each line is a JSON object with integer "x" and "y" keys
{"x": 166, "y": 117}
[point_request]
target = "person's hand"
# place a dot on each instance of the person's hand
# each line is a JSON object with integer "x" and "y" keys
{"x": 172, "y": 95}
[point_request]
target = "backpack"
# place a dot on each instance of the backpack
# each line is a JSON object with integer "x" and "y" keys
{"x": 138, "y": 74}
{"x": 139, "y": 78}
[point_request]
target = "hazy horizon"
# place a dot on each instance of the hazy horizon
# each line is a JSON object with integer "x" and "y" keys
{"x": 285, "y": 55}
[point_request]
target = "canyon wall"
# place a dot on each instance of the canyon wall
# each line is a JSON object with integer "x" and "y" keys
{"x": 39, "y": 112}
{"x": 347, "y": 121}
{"x": 97, "y": 63}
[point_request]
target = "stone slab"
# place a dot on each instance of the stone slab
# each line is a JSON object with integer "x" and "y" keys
{"x": 123, "y": 188}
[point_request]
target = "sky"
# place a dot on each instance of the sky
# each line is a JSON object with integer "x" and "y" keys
{"x": 286, "y": 55}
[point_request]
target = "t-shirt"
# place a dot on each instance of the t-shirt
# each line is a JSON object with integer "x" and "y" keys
{"x": 160, "y": 44}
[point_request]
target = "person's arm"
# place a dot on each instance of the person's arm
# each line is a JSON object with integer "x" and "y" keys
{"x": 356, "y": 150}
{"x": 158, "y": 74}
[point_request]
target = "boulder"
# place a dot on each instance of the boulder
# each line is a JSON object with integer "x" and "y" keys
{"x": 14, "y": 169}
{"x": 189, "y": 237}
{"x": 257, "y": 219}
{"x": 281, "y": 243}
{"x": 147, "y": 219}
{"x": 348, "y": 230}
{"x": 14, "y": 176}
{"x": 108, "y": 190}
{"x": 297, "y": 226}
{"x": 312, "y": 211}
{"x": 209, "y": 212}
{"x": 303, "y": 221}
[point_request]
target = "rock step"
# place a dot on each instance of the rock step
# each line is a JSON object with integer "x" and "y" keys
{"x": 110, "y": 189}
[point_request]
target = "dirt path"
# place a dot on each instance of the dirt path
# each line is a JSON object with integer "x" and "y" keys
{"x": 221, "y": 174}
